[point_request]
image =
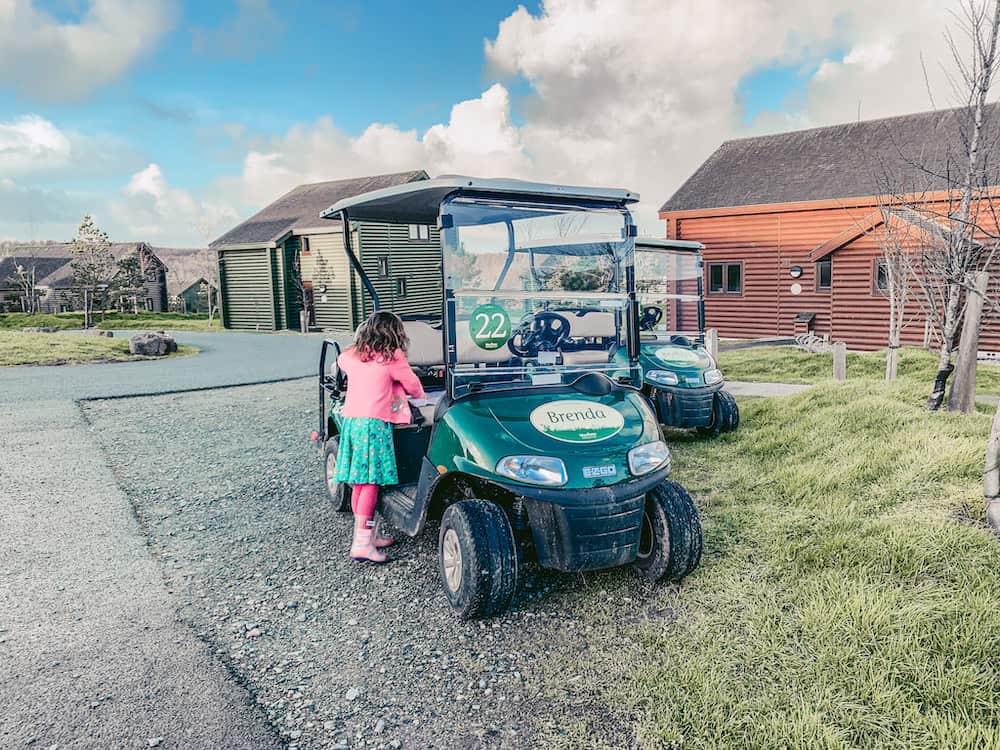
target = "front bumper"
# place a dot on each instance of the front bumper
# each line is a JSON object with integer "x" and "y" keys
{"x": 588, "y": 529}
{"x": 684, "y": 407}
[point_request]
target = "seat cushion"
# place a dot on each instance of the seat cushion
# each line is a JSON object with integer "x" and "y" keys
{"x": 426, "y": 347}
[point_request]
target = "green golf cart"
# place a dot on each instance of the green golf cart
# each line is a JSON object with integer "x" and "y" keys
{"x": 535, "y": 440}
{"x": 679, "y": 375}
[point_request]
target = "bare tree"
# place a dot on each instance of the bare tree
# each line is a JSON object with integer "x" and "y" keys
{"x": 894, "y": 277}
{"x": 23, "y": 274}
{"x": 208, "y": 264}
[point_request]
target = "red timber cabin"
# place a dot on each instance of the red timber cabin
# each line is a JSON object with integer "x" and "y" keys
{"x": 791, "y": 225}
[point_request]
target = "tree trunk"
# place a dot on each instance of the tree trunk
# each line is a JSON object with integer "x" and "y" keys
{"x": 962, "y": 397}
{"x": 892, "y": 362}
{"x": 948, "y": 331}
{"x": 991, "y": 476}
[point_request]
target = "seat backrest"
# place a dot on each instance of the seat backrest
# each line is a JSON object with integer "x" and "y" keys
{"x": 591, "y": 324}
{"x": 426, "y": 348}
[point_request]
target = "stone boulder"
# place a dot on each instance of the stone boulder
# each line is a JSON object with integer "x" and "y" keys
{"x": 152, "y": 344}
{"x": 38, "y": 329}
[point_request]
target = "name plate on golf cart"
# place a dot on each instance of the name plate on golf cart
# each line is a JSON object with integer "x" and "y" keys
{"x": 575, "y": 421}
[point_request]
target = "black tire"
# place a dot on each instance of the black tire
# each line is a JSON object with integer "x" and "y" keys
{"x": 339, "y": 493}
{"x": 482, "y": 580}
{"x": 670, "y": 542}
{"x": 730, "y": 411}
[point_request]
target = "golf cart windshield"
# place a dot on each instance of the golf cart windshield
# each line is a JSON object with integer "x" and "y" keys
{"x": 536, "y": 294}
{"x": 669, "y": 290}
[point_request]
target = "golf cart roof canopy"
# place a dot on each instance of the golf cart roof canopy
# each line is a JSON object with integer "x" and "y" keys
{"x": 653, "y": 243}
{"x": 419, "y": 202}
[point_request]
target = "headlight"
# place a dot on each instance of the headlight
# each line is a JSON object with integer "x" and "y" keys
{"x": 533, "y": 469}
{"x": 644, "y": 458}
{"x": 663, "y": 377}
{"x": 713, "y": 376}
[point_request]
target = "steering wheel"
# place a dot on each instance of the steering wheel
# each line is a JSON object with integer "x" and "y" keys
{"x": 651, "y": 317}
{"x": 545, "y": 331}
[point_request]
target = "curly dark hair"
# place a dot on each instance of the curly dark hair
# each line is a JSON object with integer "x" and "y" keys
{"x": 380, "y": 336}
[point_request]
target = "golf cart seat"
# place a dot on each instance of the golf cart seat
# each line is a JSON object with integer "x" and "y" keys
{"x": 425, "y": 344}
{"x": 589, "y": 325}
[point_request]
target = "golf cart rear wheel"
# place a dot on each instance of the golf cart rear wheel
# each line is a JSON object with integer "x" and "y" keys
{"x": 670, "y": 542}
{"x": 477, "y": 558}
{"x": 338, "y": 491}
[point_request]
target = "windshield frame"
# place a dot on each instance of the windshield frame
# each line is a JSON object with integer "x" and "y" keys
{"x": 625, "y": 294}
{"x": 642, "y": 248}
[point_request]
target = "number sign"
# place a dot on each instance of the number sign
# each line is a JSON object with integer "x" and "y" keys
{"x": 489, "y": 327}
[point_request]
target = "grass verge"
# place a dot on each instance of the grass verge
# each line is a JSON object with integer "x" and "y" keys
{"x": 848, "y": 593}
{"x": 111, "y": 320}
{"x": 18, "y": 348}
{"x": 788, "y": 364}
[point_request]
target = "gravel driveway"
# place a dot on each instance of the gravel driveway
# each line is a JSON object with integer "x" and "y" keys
{"x": 228, "y": 489}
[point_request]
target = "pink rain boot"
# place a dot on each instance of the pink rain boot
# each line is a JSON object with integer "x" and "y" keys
{"x": 363, "y": 549}
{"x": 381, "y": 541}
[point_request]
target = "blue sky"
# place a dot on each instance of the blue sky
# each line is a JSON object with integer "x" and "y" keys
{"x": 164, "y": 114}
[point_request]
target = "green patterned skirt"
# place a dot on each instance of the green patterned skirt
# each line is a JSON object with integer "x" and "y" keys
{"x": 366, "y": 454}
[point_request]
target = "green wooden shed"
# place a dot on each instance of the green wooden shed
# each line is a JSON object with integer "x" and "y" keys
{"x": 271, "y": 259}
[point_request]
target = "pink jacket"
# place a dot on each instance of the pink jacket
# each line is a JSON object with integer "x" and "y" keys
{"x": 378, "y": 388}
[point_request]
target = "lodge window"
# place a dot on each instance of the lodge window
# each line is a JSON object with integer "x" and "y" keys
{"x": 824, "y": 274}
{"x": 383, "y": 266}
{"x": 306, "y": 249}
{"x": 401, "y": 287}
{"x": 420, "y": 232}
{"x": 880, "y": 278}
{"x": 725, "y": 278}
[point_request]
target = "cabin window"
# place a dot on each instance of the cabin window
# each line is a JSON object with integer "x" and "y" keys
{"x": 383, "y": 266}
{"x": 824, "y": 274}
{"x": 306, "y": 250}
{"x": 725, "y": 278}
{"x": 420, "y": 232}
{"x": 401, "y": 287}
{"x": 881, "y": 277}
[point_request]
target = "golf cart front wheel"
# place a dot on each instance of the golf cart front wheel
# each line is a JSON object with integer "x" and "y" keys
{"x": 477, "y": 558}
{"x": 338, "y": 491}
{"x": 725, "y": 415}
{"x": 670, "y": 542}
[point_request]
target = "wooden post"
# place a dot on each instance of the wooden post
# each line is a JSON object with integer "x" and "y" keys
{"x": 712, "y": 342}
{"x": 991, "y": 477}
{"x": 840, "y": 361}
{"x": 962, "y": 397}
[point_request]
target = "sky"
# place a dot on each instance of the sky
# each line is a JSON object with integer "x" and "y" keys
{"x": 171, "y": 121}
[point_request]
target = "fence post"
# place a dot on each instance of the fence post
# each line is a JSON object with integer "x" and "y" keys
{"x": 712, "y": 342}
{"x": 840, "y": 361}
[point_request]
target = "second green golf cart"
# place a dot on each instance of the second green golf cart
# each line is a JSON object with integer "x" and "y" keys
{"x": 536, "y": 440}
{"x": 680, "y": 377}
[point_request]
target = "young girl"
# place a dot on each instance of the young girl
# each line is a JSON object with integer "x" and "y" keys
{"x": 378, "y": 381}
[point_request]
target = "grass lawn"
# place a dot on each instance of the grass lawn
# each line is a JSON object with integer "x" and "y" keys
{"x": 18, "y": 348}
{"x": 112, "y": 320}
{"x": 849, "y": 595}
{"x": 788, "y": 364}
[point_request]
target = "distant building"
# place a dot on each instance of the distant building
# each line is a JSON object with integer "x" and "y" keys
{"x": 192, "y": 295}
{"x": 52, "y": 266}
{"x": 257, "y": 261}
{"x": 792, "y": 227}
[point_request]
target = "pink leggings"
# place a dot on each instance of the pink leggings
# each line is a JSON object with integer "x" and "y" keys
{"x": 364, "y": 498}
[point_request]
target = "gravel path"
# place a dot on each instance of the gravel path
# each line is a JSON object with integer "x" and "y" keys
{"x": 92, "y": 653}
{"x": 230, "y": 492}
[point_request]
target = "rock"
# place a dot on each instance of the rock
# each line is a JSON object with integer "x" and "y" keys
{"x": 38, "y": 329}
{"x": 379, "y": 726}
{"x": 352, "y": 694}
{"x": 151, "y": 344}
{"x": 329, "y": 725}
{"x": 395, "y": 744}
{"x": 253, "y": 633}
{"x": 98, "y": 332}
{"x": 154, "y": 741}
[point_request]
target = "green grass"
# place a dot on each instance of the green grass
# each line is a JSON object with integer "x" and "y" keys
{"x": 849, "y": 595}
{"x": 18, "y": 348}
{"x": 788, "y": 364}
{"x": 112, "y": 320}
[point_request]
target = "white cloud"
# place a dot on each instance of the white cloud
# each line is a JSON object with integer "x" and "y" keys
{"x": 32, "y": 145}
{"x": 150, "y": 209}
{"x": 241, "y": 35}
{"x": 45, "y": 58}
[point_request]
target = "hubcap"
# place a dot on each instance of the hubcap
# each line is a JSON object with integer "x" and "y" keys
{"x": 451, "y": 558}
{"x": 645, "y": 537}
{"x": 331, "y": 473}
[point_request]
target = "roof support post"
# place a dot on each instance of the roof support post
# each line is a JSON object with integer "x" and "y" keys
{"x": 356, "y": 264}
